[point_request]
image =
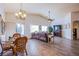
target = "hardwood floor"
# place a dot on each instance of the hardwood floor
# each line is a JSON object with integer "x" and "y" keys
{"x": 61, "y": 47}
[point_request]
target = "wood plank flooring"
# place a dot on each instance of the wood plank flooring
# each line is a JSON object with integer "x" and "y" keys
{"x": 61, "y": 47}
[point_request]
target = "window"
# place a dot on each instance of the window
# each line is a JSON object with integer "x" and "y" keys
{"x": 34, "y": 28}
{"x": 44, "y": 28}
{"x": 37, "y": 28}
{"x": 20, "y": 28}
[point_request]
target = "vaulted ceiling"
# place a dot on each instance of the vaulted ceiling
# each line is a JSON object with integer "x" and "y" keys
{"x": 57, "y": 10}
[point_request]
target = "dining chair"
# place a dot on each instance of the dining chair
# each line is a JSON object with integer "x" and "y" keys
{"x": 20, "y": 45}
{"x": 16, "y": 35}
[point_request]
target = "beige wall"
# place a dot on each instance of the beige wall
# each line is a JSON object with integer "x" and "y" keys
{"x": 67, "y": 29}
{"x": 34, "y": 20}
{"x": 30, "y": 20}
{"x": 10, "y": 28}
{"x": 64, "y": 21}
{"x": 2, "y": 36}
{"x": 2, "y": 14}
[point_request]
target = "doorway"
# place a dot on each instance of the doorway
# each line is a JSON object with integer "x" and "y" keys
{"x": 76, "y": 30}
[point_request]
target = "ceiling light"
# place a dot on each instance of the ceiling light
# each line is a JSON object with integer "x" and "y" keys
{"x": 21, "y": 14}
{"x": 16, "y": 14}
{"x": 49, "y": 19}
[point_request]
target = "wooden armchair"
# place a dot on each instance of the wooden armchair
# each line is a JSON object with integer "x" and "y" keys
{"x": 16, "y": 35}
{"x": 20, "y": 45}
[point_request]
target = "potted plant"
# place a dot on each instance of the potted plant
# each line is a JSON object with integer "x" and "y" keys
{"x": 50, "y": 29}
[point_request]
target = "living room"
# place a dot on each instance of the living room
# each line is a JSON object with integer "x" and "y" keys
{"x": 39, "y": 18}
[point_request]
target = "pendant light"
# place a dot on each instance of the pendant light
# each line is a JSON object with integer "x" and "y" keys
{"x": 49, "y": 19}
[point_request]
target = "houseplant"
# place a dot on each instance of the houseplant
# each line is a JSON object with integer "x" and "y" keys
{"x": 50, "y": 29}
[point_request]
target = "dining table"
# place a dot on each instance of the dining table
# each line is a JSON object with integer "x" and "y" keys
{"x": 6, "y": 45}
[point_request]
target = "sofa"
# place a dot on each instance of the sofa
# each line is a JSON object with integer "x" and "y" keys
{"x": 43, "y": 36}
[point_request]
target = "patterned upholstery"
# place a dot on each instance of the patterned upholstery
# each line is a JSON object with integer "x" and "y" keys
{"x": 15, "y": 36}
{"x": 20, "y": 45}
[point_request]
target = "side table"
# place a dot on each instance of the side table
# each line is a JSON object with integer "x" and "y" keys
{"x": 50, "y": 38}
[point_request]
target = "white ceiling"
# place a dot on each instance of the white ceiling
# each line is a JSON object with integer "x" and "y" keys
{"x": 57, "y": 9}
